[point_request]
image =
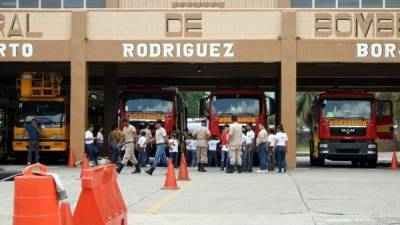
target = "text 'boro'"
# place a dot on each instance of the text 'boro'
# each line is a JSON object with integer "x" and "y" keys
{"x": 176, "y": 50}
{"x": 377, "y": 50}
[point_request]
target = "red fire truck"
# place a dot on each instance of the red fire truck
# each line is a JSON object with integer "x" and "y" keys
{"x": 345, "y": 125}
{"x": 147, "y": 105}
{"x": 250, "y": 106}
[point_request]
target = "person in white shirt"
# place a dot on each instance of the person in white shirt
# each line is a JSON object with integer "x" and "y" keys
{"x": 173, "y": 149}
{"x": 212, "y": 151}
{"x": 161, "y": 140}
{"x": 271, "y": 158}
{"x": 188, "y": 150}
{"x": 100, "y": 141}
{"x": 142, "y": 149}
{"x": 89, "y": 145}
{"x": 281, "y": 140}
{"x": 193, "y": 147}
{"x": 247, "y": 156}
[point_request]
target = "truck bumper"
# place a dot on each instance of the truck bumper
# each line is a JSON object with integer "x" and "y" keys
{"x": 44, "y": 146}
{"x": 348, "y": 151}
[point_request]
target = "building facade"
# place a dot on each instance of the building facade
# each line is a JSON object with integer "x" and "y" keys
{"x": 300, "y": 41}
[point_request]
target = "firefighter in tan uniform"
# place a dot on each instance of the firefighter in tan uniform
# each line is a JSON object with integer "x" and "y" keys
{"x": 235, "y": 146}
{"x": 202, "y": 134}
{"x": 129, "y": 137}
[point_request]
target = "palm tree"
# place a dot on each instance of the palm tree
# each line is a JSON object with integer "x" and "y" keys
{"x": 304, "y": 102}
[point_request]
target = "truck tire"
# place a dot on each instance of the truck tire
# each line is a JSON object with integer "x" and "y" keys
{"x": 372, "y": 163}
{"x": 315, "y": 161}
{"x": 355, "y": 163}
{"x": 3, "y": 154}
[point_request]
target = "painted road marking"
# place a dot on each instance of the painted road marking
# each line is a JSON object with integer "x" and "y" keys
{"x": 158, "y": 205}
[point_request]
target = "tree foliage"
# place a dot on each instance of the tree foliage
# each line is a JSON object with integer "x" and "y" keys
{"x": 193, "y": 98}
{"x": 304, "y": 102}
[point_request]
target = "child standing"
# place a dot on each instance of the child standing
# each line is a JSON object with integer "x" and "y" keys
{"x": 173, "y": 149}
{"x": 281, "y": 140}
{"x": 142, "y": 142}
{"x": 193, "y": 147}
{"x": 224, "y": 148}
{"x": 188, "y": 150}
{"x": 271, "y": 150}
{"x": 212, "y": 151}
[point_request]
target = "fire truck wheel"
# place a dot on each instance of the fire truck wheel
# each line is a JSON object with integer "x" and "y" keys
{"x": 3, "y": 154}
{"x": 372, "y": 163}
{"x": 355, "y": 163}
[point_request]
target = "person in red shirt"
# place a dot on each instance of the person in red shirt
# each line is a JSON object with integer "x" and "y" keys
{"x": 224, "y": 147}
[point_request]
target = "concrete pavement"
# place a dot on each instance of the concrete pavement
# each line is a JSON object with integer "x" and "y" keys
{"x": 332, "y": 195}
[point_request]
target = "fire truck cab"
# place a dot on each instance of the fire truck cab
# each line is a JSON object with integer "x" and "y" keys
{"x": 250, "y": 107}
{"x": 344, "y": 126}
{"x": 147, "y": 105}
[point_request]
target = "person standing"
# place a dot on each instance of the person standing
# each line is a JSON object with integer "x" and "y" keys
{"x": 224, "y": 148}
{"x": 281, "y": 140}
{"x": 142, "y": 149}
{"x": 202, "y": 134}
{"x": 100, "y": 141}
{"x": 271, "y": 150}
{"x": 188, "y": 149}
{"x": 32, "y": 131}
{"x": 261, "y": 144}
{"x": 193, "y": 147}
{"x": 212, "y": 151}
{"x": 234, "y": 146}
{"x": 248, "y": 149}
{"x": 129, "y": 136}
{"x": 114, "y": 138}
{"x": 161, "y": 140}
{"x": 90, "y": 146}
{"x": 148, "y": 136}
{"x": 174, "y": 149}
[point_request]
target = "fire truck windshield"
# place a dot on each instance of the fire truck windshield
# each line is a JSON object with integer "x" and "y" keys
{"x": 160, "y": 103}
{"x": 48, "y": 114}
{"x": 236, "y": 105}
{"x": 347, "y": 108}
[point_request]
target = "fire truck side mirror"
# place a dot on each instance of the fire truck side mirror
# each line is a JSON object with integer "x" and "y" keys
{"x": 271, "y": 106}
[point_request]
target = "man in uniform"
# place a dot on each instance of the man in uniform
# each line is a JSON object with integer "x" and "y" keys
{"x": 234, "y": 146}
{"x": 202, "y": 134}
{"x": 161, "y": 140}
{"x": 129, "y": 137}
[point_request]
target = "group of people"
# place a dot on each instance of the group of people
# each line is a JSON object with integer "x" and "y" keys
{"x": 232, "y": 151}
{"x": 94, "y": 144}
{"x": 237, "y": 148}
{"x": 124, "y": 142}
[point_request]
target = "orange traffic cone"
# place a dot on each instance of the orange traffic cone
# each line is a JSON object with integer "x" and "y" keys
{"x": 85, "y": 164}
{"x": 170, "y": 180}
{"x": 183, "y": 172}
{"x": 66, "y": 216}
{"x": 71, "y": 160}
{"x": 394, "y": 160}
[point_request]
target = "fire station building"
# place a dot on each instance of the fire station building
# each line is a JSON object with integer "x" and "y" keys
{"x": 282, "y": 45}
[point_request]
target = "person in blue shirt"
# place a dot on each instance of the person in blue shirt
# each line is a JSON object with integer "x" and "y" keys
{"x": 32, "y": 131}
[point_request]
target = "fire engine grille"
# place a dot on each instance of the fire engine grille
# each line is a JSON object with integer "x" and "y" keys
{"x": 348, "y": 131}
{"x": 347, "y": 151}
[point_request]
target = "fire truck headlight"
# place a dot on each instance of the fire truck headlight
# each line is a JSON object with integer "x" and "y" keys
{"x": 370, "y": 146}
{"x": 323, "y": 145}
{"x": 57, "y": 137}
